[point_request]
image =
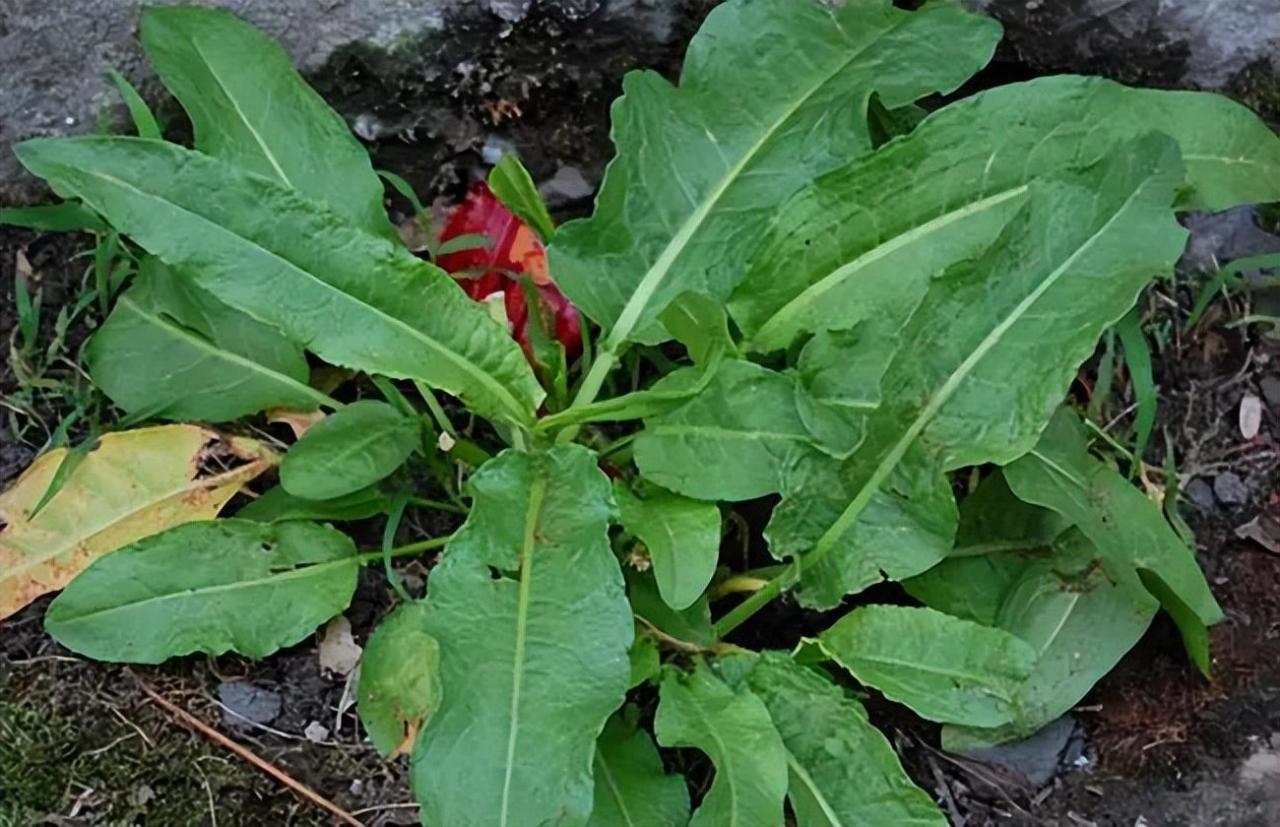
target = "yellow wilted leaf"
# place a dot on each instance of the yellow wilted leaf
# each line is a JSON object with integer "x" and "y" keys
{"x": 131, "y": 485}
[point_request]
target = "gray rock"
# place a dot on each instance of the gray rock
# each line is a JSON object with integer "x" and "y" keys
{"x": 394, "y": 68}
{"x": 248, "y": 702}
{"x": 1219, "y": 238}
{"x": 1270, "y": 386}
{"x": 1201, "y": 494}
{"x": 1040, "y": 757}
{"x": 1231, "y": 46}
{"x": 1230, "y": 489}
{"x": 565, "y": 187}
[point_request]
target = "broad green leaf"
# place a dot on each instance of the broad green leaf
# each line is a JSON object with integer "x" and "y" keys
{"x": 58, "y": 218}
{"x": 250, "y": 107}
{"x": 998, "y": 537}
{"x": 995, "y": 343}
{"x": 1122, "y": 523}
{"x": 970, "y": 588}
{"x": 993, "y": 518}
{"x": 144, "y": 123}
{"x": 1082, "y": 615}
{"x": 646, "y": 662}
{"x": 278, "y": 505}
{"x": 733, "y": 441}
{"x": 171, "y": 351}
{"x": 843, "y": 771}
{"x": 399, "y": 681}
{"x": 511, "y": 182}
{"x": 907, "y": 527}
{"x": 773, "y": 93}
{"x": 943, "y": 668}
{"x": 863, "y": 241}
{"x": 351, "y": 449}
{"x": 700, "y": 324}
{"x": 733, "y": 728}
{"x": 355, "y": 300}
{"x": 632, "y": 790}
{"x": 534, "y": 628}
{"x": 682, "y": 535}
{"x": 213, "y": 587}
{"x": 131, "y": 485}
{"x": 845, "y": 367}
{"x": 691, "y": 625}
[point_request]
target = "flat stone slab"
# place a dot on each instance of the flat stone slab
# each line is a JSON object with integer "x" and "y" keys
{"x": 1230, "y": 46}
{"x": 393, "y": 68}
{"x": 462, "y": 79}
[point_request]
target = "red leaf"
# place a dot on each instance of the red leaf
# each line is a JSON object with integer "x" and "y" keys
{"x": 514, "y": 250}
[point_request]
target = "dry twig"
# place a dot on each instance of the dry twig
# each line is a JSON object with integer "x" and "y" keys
{"x": 195, "y": 724}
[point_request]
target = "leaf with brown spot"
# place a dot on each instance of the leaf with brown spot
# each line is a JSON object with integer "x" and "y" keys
{"x": 132, "y": 485}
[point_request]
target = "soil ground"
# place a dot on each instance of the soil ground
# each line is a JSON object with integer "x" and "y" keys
{"x": 82, "y": 743}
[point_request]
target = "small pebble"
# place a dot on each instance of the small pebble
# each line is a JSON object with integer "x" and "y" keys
{"x": 565, "y": 187}
{"x": 1040, "y": 757}
{"x": 248, "y": 702}
{"x": 1271, "y": 392}
{"x": 494, "y": 148}
{"x": 1250, "y": 416}
{"x": 1230, "y": 489}
{"x": 1200, "y": 493}
{"x": 316, "y": 733}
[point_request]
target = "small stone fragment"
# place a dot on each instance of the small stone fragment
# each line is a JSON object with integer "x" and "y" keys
{"x": 1200, "y": 493}
{"x": 565, "y": 187}
{"x": 512, "y": 11}
{"x": 339, "y": 651}
{"x": 247, "y": 702}
{"x": 1250, "y": 416}
{"x": 1263, "y": 530}
{"x": 1271, "y": 392}
{"x": 1230, "y": 489}
{"x": 1040, "y": 757}
{"x": 316, "y": 733}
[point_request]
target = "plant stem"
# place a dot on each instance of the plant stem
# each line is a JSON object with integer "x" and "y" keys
{"x": 738, "y": 584}
{"x": 746, "y": 609}
{"x": 590, "y": 389}
{"x": 437, "y": 505}
{"x": 618, "y": 444}
{"x": 437, "y": 412}
{"x": 406, "y": 550}
{"x": 389, "y": 537}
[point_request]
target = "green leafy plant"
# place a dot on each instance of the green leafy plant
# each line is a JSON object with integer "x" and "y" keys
{"x": 803, "y": 292}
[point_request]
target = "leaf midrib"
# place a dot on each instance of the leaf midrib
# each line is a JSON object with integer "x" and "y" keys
{"x": 767, "y": 333}
{"x": 235, "y": 105}
{"x": 721, "y": 432}
{"x": 844, "y": 522}
{"x": 493, "y": 386}
{"x": 533, "y": 516}
{"x": 212, "y": 349}
{"x": 275, "y": 577}
{"x": 614, "y": 789}
{"x": 724, "y": 767}
{"x": 979, "y": 680}
{"x": 828, "y": 812}
{"x": 658, "y": 271}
